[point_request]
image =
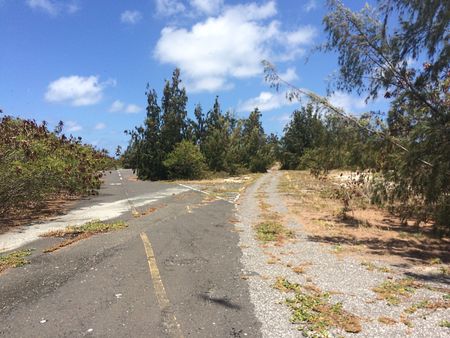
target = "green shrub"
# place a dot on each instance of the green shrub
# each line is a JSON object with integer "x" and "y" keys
{"x": 185, "y": 161}
{"x": 36, "y": 164}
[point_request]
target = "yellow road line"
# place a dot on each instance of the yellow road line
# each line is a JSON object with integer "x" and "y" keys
{"x": 160, "y": 291}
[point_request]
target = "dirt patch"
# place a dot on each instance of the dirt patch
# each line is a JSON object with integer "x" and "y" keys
{"x": 365, "y": 231}
{"x": 51, "y": 208}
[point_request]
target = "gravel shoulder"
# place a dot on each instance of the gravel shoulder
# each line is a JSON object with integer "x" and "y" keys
{"x": 422, "y": 309}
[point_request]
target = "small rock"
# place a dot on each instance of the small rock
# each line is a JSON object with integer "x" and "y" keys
{"x": 43, "y": 321}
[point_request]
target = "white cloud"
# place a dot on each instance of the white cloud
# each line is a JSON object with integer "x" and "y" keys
{"x": 44, "y": 5}
{"x": 207, "y": 6}
{"x": 266, "y": 101}
{"x": 289, "y": 75}
{"x": 131, "y": 17}
{"x": 230, "y": 45}
{"x": 72, "y": 126}
{"x": 169, "y": 7}
{"x": 119, "y": 106}
{"x": 77, "y": 90}
{"x": 100, "y": 126}
{"x": 349, "y": 103}
{"x": 53, "y": 7}
{"x": 310, "y": 5}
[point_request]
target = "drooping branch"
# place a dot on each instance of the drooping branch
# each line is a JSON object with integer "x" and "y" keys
{"x": 275, "y": 81}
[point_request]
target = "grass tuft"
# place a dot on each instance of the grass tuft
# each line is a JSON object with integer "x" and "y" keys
{"x": 271, "y": 231}
{"x": 14, "y": 259}
{"x": 394, "y": 291}
{"x": 315, "y": 311}
{"x": 74, "y": 234}
{"x": 444, "y": 323}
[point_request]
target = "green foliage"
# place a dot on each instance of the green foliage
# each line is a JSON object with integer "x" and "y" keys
{"x": 407, "y": 149}
{"x": 304, "y": 132}
{"x": 37, "y": 164}
{"x": 226, "y": 144}
{"x": 185, "y": 161}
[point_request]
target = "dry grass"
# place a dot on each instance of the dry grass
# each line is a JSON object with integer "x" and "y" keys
{"x": 314, "y": 311}
{"x": 74, "y": 234}
{"x": 387, "y": 320}
{"x": 367, "y": 231}
{"x": 301, "y": 268}
{"x": 14, "y": 259}
{"x": 428, "y": 305}
{"x": 394, "y": 291}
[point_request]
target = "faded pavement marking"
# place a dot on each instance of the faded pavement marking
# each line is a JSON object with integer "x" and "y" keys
{"x": 169, "y": 318}
{"x": 101, "y": 211}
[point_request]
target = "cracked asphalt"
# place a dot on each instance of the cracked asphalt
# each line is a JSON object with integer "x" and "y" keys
{"x": 103, "y": 286}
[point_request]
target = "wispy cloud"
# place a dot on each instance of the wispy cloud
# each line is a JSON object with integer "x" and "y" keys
{"x": 130, "y": 17}
{"x": 72, "y": 126}
{"x": 230, "y": 45}
{"x": 207, "y": 6}
{"x": 100, "y": 126}
{"x": 310, "y": 6}
{"x": 289, "y": 75}
{"x": 121, "y": 107}
{"x": 77, "y": 90}
{"x": 53, "y": 7}
{"x": 265, "y": 101}
{"x": 169, "y": 7}
{"x": 349, "y": 103}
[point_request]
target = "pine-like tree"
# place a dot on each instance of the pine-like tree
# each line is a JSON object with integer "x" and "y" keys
{"x": 173, "y": 120}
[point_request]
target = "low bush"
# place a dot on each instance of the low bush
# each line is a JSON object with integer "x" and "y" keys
{"x": 185, "y": 161}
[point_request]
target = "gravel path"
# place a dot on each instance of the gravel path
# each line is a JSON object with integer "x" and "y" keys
{"x": 349, "y": 281}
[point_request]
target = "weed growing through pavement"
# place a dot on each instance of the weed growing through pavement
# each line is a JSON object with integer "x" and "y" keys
{"x": 313, "y": 309}
{"x": 394, "y": 291}
{"x": 14, "y": 259}
{"x": 74, "y": 234}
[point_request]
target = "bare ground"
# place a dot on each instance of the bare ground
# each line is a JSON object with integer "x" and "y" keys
{"x": 366, "y": 275}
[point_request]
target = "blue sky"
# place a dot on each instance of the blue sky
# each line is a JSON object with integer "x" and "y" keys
{"x": 87, "y": 62}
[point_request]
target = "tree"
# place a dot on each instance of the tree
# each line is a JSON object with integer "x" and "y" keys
{"x": 150, "y": 164}
{"x": 173, "y": 120}
{"x": 215, "y": 142}
{"x": 257, "y": 155}
{"x": 373, "y": 56}
{"x": 303, "y": 132}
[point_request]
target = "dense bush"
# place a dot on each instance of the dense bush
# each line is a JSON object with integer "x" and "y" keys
{"x": 36, "y": 164}
{"x": 185, "y": 161}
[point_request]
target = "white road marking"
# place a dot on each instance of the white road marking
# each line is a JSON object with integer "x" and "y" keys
{"x": 205, "y": 192}
{"x": 101, "y": 211}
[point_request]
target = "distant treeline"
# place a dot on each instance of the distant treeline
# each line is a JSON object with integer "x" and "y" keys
{"x": 170, "y": 145}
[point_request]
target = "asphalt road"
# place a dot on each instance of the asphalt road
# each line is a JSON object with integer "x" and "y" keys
{"x": 172, "y": 273}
